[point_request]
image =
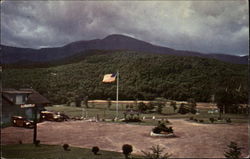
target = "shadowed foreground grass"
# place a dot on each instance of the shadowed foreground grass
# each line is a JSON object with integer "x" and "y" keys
{"x": 29, "y": 151}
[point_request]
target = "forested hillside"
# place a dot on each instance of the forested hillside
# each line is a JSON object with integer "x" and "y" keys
{"x": 142, "y": 76}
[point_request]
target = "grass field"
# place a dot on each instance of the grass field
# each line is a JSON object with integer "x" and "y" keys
{"x": 29, "y": 151}
{"x": 100, "y": 110}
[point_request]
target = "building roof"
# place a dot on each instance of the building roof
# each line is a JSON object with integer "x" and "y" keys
{"x": 14, "y": 91}
{"x": 6, "y": 100}
{"x": 33, "y": 96}
{"x": 36, "y": 98}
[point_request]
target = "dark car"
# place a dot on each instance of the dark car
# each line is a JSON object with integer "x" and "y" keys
{"x": 20, "y": 121}
{"x": 51, "y": 116}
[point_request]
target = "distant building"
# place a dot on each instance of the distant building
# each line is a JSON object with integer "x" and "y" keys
{"x": 20, "y": 102}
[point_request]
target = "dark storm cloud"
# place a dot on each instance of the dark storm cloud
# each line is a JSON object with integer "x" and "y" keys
{"x": 208, "y": 26}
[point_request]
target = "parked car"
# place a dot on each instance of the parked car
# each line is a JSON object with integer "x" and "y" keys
{"x": 51, "y": 116}
{"x": 20, "y": 121}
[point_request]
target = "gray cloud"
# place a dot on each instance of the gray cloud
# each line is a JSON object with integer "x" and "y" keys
{"x": 205, "y": 26}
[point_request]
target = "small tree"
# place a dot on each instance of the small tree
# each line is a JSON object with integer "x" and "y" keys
{"x": 142, "y": 107}
{"x": 160, "y": 103}
{"x": 227, "y": 100}
{"x": 192, "y": 105}
{"x": 156, "y": 153}
{"x": 173, "y": 104}
{"x": 159, "y": 108}
{"x": 108, "y": 103}
{"x": 77, "y": 101}
{"x": 234, "y": 151}
{"x": 95, "y": 150}
{"x": 127, "y": 107}
{"x": 127, "y": 149}
{"x": 183, "y": 109}
{"x": 86, "y": 101}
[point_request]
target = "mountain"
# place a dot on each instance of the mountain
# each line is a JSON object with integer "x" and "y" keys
{"x": 144, "y": 76}
{"x": 113, "y": 42}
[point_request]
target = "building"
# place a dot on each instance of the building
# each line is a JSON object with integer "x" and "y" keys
{"x": 21, "y": 102}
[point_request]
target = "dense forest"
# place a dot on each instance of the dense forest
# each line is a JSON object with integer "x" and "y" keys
{"x": 143, "y": 76}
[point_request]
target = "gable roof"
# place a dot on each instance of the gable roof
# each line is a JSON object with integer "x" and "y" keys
{"x": 36, "y": 98}
{"x": 33, "y": 96}
{"x": 6, "y": 100}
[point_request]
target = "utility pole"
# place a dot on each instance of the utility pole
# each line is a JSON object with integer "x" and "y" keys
{"x": 35, "y": 125}
{"x": 117, "y": 93}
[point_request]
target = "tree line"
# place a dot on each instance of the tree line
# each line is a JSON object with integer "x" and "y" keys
{"x": 143, "y": 76}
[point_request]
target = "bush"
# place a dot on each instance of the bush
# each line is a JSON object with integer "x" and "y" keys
{"x": 157, "y": 130}
{"x": 37, "y": 142}
{"x": 95, "y": 150}
{"x": 193, "y": 111}
{"x": 191, "y": 118}
{"x": 167, "y": 121}
{"x": 126, "y": 150}
{"x": 135, "y": 119}
{"x": 162, "y": 128}
{"x": 196, "y": 120}
{"x": 169, "y": 129}
{"x": 201, "y": 121}
{"x": 211, "y": 120}
{"x": 66, "y": 147}
{"x": 228, "y": 120}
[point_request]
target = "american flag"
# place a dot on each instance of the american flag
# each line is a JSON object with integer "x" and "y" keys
{"x": 108, "y": 78}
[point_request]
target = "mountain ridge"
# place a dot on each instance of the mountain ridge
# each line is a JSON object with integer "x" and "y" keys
{"x": 13, "y": 55}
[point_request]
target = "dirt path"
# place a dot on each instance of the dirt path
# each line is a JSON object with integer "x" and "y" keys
{"x": 192, "y": 141}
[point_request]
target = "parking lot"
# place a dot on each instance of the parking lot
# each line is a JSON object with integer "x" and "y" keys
{"x": 193, "y": 140}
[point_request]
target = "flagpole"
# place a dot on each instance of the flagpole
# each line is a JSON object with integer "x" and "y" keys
{"x": 117, "y": 93}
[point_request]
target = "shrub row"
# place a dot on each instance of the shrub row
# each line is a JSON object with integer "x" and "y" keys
{"x": 212, "y": 120}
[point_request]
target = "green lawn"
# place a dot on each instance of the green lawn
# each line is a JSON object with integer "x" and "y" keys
{"x": 29, "y": 151}
{"x": 101, "y": 110}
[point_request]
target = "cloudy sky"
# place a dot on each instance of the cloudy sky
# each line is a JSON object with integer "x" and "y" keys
{"x": 204, "y": 26}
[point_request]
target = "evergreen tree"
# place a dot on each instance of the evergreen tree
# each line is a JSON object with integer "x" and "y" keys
{"x": 156, "y": 153}
{"x": 234, "y": 151}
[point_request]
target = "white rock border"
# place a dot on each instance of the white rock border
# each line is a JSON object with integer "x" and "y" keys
{"x": 162, "y": 135}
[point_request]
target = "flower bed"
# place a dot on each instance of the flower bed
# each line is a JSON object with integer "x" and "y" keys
{"x": 162, "y": 130}
{"x": 162, "y": 134}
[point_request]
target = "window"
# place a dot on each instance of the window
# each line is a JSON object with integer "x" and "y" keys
{"x": 19, "y": 99}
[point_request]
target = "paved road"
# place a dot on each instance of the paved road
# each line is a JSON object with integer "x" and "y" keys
{"x": 193, "y": 140}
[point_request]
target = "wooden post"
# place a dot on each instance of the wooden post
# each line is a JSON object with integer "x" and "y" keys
{"x": 117, "y": 93}
{"x": 35, "y": 125}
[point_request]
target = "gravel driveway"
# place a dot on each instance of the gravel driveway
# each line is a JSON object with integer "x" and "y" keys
{"x": 193, "y": 140}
